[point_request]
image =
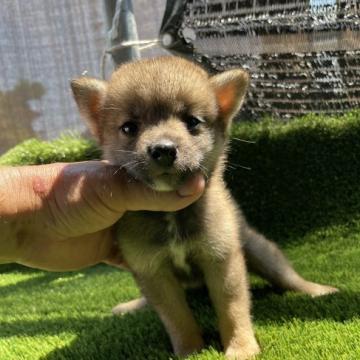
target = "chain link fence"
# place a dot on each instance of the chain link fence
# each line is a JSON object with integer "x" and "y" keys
{"x": 303, "y": 55}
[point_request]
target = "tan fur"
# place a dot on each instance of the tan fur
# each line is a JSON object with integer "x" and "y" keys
{"x": 206, "y": 242}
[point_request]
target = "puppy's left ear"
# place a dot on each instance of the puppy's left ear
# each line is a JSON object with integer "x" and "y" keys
{"x": 89, "y": 94}
{"x": 230, "y": 89}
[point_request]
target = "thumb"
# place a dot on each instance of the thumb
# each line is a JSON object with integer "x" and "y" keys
{"x": 137, "y": 196}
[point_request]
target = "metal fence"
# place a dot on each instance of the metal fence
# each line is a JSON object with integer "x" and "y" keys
{"x": 303, "y": 55}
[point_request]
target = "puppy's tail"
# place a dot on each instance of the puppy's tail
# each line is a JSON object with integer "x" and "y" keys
{"x": 266, "y": 259}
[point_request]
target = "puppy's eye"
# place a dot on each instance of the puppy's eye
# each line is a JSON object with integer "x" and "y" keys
{"x": 192, "y": 122}
{"x": 129, "y": 128}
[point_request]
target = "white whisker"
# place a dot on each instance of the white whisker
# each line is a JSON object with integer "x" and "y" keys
{"x": 124, "y": 165}
{"x": 239, "y": 166}
{"x": 243, "y": 140}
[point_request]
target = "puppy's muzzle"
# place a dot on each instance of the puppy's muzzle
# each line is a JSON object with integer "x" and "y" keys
{"x": 163, "y": 153}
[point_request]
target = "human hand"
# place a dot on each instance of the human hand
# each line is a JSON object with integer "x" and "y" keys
{"x": 60, "y": 216}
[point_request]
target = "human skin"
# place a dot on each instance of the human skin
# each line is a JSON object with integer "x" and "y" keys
{"x": 60, "y": 217}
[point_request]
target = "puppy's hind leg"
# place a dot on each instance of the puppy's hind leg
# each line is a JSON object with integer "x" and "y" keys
{"x": 266, "y": 259}
{"x": 129, "y": 306}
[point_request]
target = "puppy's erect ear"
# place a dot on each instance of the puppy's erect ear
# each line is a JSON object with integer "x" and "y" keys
{"x": 230, "y": 89}
{"x": 89, "y": 95}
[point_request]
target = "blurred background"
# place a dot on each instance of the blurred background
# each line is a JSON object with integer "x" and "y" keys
{"x": 44, "y": 44}
{"x": 303, "y": 55}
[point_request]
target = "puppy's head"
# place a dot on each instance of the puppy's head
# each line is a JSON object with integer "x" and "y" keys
{"x": 162, "y": 119}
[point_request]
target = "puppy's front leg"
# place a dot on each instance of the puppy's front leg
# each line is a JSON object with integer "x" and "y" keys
{"x": 166, "y": 295}
{"x": 228, "y": 289}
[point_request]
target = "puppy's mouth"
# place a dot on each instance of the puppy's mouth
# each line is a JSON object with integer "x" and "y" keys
{"x": 168, "y": 181}
{"x": 163, "y": 179}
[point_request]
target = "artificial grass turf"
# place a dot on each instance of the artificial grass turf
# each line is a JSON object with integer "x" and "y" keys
{"x": 302, "y": 190}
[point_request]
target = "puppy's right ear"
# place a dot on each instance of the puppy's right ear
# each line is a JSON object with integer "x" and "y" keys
{"x": 230, "y": 89}
{"x": 89, "y": 95}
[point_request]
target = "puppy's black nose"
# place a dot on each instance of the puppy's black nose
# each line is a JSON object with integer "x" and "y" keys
{"x": 163, "y": 153}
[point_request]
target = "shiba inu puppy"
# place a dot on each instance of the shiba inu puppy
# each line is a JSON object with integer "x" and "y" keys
{"x": 164, "y": 120}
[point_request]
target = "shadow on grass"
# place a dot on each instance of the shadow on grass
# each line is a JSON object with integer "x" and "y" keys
{"x": 11, "y": 268}
{"x": 136, "y": 336}
{"x": 269, "y": 305}
{"x": 32, "y": 284}
{"x": 141, "y": 335}
{"x": 45, "y": 277}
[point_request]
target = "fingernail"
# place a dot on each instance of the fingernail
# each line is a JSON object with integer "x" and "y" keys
{"x": 192, "y": 186}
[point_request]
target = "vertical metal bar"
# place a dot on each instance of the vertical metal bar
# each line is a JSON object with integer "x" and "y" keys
{"x": 122, "y": 27}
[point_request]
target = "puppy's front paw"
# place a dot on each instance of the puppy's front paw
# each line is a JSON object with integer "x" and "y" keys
{"x": 242, "y": 352}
